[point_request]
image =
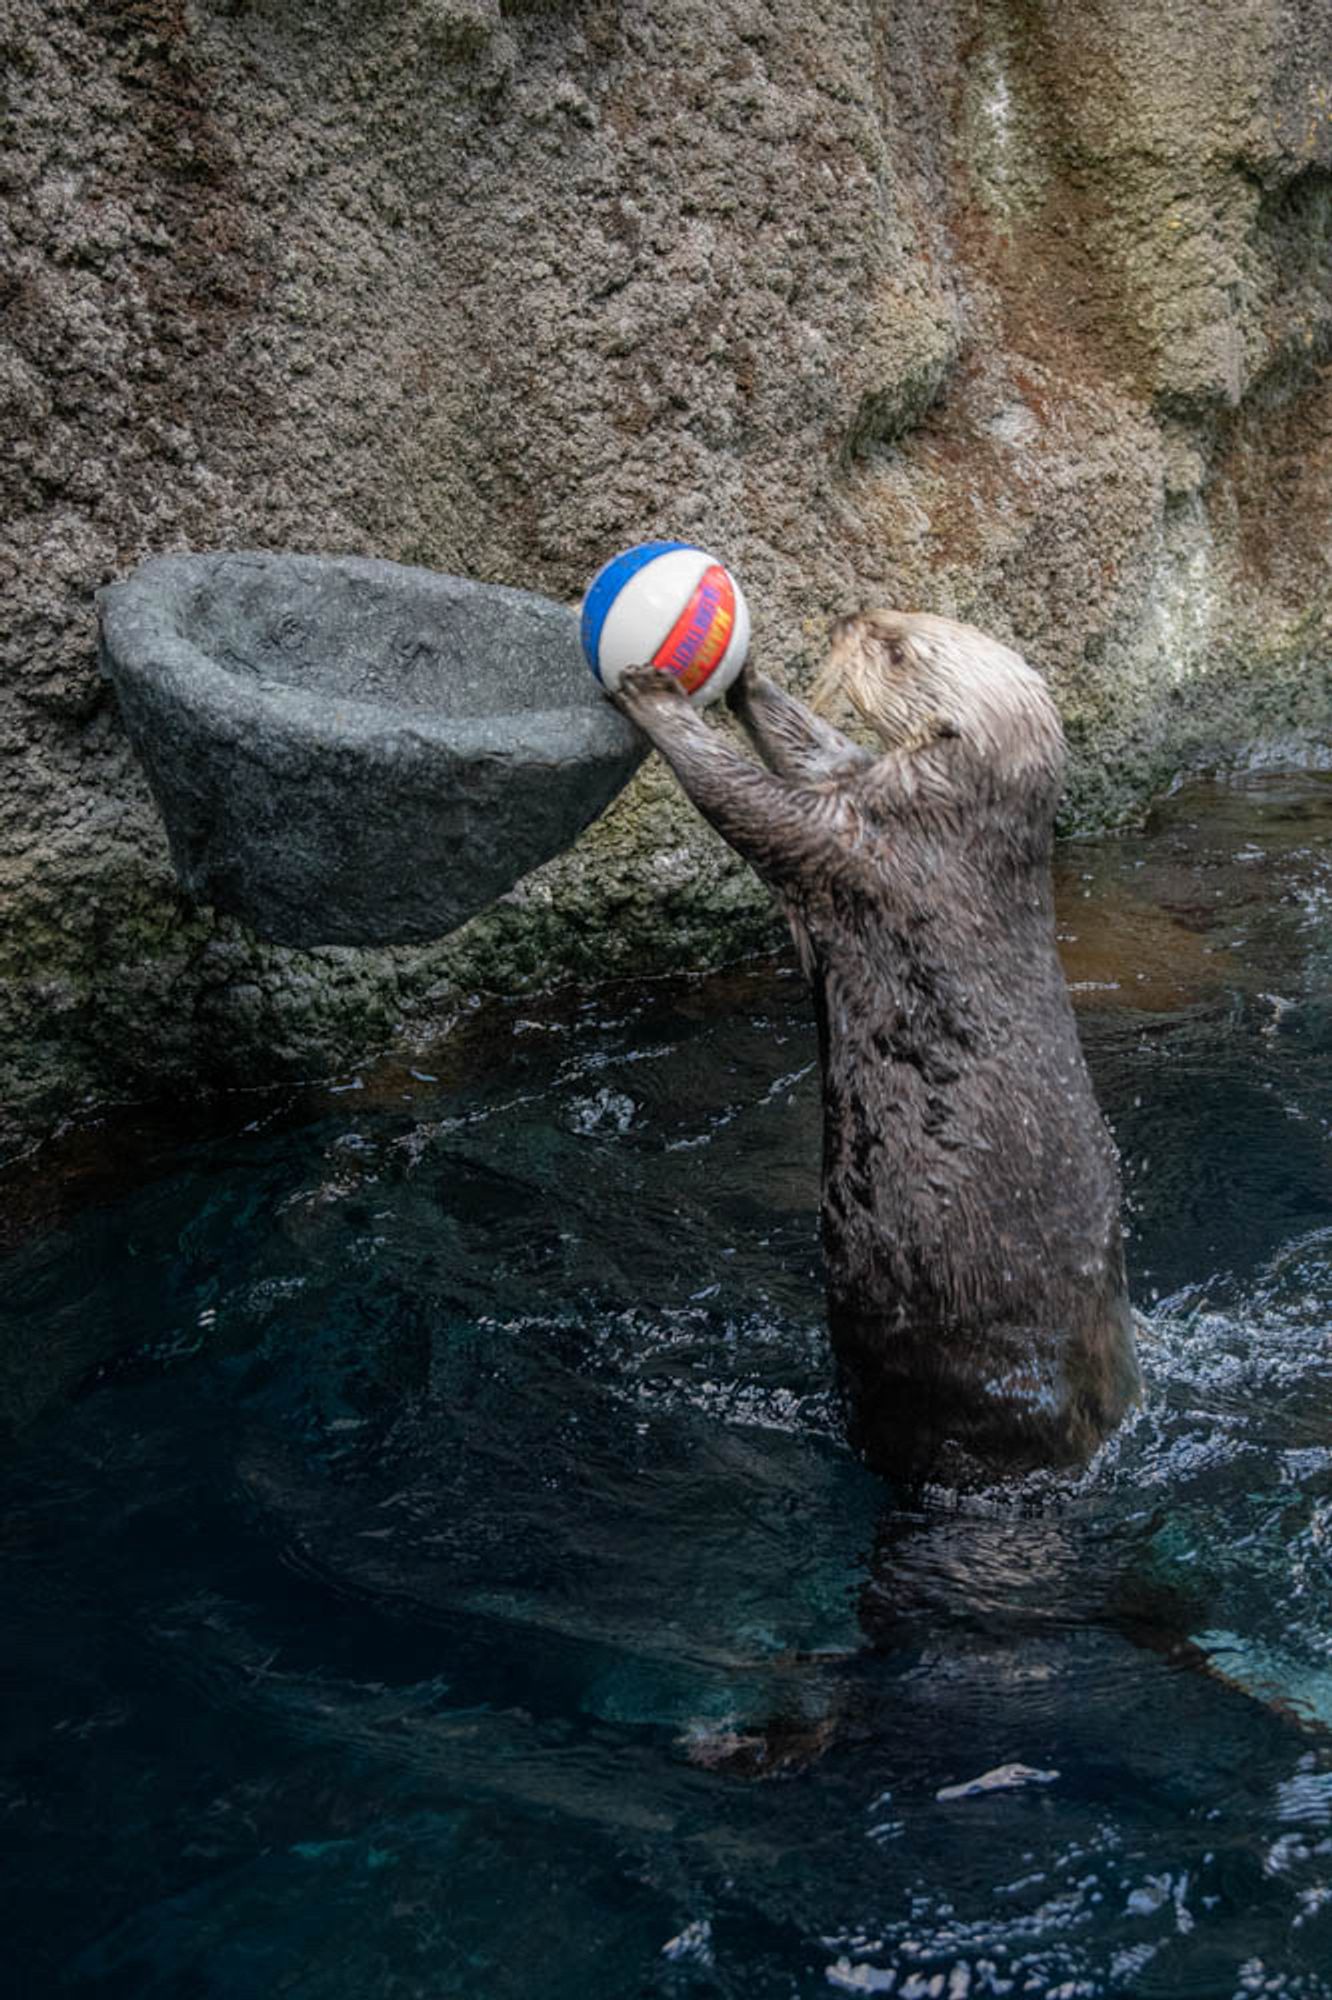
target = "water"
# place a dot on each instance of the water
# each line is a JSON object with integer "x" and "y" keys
{"x": 429, "y": 1565}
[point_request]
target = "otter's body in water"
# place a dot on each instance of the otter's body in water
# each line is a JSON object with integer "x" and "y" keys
{"x": 975, "y": 1269}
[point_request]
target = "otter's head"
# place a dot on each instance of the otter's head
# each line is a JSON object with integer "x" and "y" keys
{"x": 946, "y": 695}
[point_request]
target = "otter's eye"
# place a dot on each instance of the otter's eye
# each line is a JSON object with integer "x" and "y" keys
{"x": 944, "y": 725}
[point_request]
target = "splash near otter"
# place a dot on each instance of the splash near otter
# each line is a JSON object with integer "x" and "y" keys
{"x": 970, "y": 1209}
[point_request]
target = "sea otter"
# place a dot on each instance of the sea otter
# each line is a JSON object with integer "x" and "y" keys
{"x": 970, "y": 1209}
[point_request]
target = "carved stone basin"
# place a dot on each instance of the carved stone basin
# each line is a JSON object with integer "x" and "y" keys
{"x": 347, "y": 751}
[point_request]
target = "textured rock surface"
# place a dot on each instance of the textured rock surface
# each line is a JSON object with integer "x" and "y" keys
{"x": 348, "y": 751}
{"x": 1002, "y": 308}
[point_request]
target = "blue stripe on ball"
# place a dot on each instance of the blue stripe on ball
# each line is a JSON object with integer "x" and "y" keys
{"x": 606, "y": 586}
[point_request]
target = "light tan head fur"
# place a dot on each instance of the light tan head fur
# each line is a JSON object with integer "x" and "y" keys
{"x": 921, "y": 682}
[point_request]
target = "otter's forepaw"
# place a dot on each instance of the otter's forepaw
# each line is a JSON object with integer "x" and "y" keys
{"x": 646, "y": 687}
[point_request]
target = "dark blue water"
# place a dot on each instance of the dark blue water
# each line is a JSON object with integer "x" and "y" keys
{"x": 429, "y": 1564}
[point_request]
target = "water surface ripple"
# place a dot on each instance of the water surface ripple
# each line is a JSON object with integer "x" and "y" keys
{"x": 429, "y": 1564}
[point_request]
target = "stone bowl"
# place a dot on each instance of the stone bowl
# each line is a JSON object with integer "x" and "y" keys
{"x": 347, "y": 751}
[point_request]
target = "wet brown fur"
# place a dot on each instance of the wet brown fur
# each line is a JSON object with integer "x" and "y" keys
{"x": 975, "y": 1271}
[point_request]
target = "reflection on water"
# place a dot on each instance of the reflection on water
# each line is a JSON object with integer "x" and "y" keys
{"x": 426, "y": 1520}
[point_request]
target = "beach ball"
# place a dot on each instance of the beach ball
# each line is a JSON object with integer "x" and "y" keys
{"x": 671, "y": 606}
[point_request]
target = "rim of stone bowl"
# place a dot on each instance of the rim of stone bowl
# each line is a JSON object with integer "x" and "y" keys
{"x": 144, "y": 643}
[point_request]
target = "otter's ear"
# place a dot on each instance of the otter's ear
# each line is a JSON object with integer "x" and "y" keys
{"x": 944, "y": 725}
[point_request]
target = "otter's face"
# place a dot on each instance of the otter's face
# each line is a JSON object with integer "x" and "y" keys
{"x": 924, "y": 684}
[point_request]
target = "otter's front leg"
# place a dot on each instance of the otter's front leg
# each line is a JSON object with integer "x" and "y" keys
{"x": 785, "y": 830}
{"x": 794, "y": 741}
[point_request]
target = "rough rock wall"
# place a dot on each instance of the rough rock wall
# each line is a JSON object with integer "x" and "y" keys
{"x": 1002, "y": 308}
